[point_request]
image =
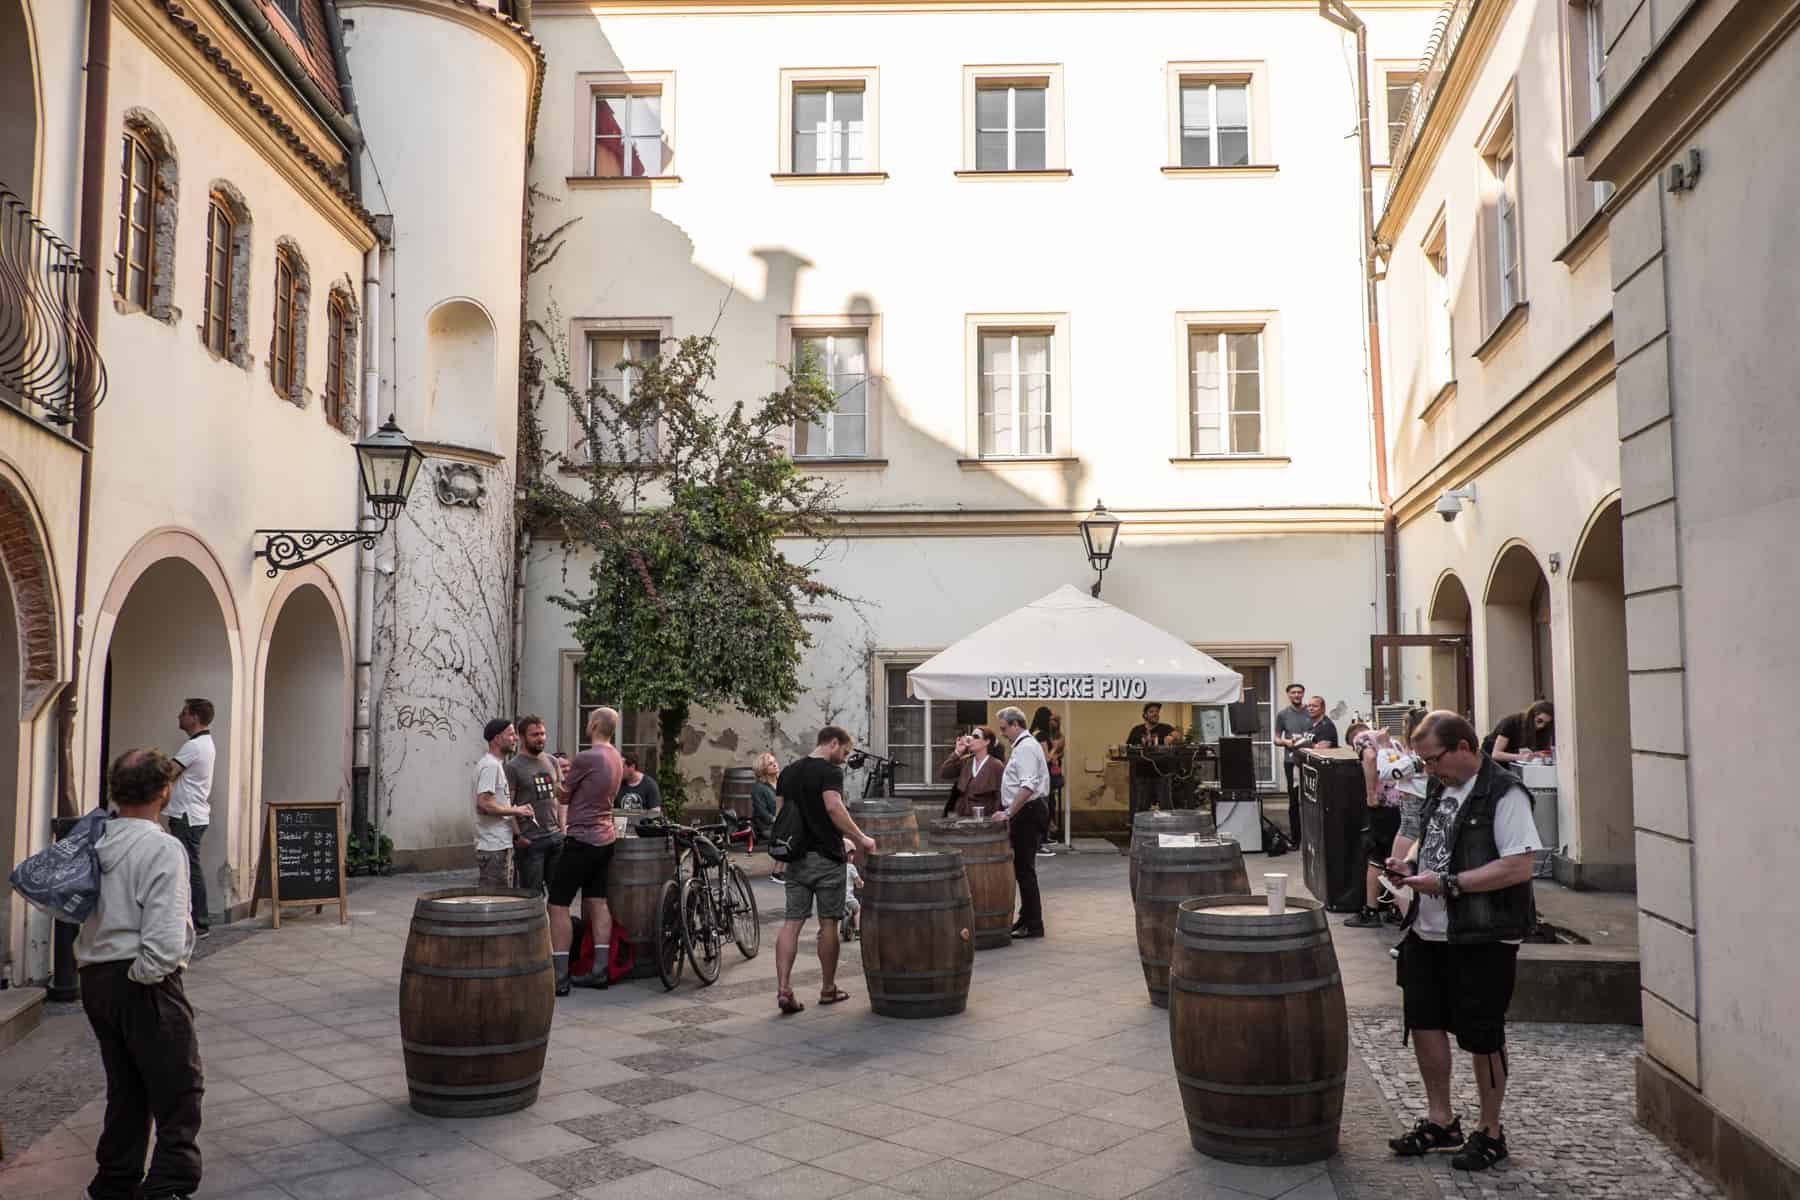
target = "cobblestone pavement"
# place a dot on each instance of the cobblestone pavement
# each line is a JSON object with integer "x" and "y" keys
{"x": 1568, "y": 1114}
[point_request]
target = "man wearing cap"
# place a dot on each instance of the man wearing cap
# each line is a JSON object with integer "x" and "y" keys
{"x": 494, "y": 809}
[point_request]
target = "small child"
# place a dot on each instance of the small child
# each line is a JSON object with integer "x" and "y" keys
{"x": 851, "y": 926}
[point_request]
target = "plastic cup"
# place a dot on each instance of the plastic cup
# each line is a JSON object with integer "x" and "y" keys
{"x": 980, "y": 812}
{"x": 1276, "y": 885}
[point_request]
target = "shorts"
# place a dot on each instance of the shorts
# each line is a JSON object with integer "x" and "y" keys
{"x": 581, "y": 868}
{"x": 1379, "y": 832}
{"x": 815, "y": 876}
{"x": 493, "y": 868}
{"x": 1459, "y": 988}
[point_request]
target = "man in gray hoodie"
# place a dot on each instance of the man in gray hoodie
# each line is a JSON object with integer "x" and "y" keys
{"x": 131, "y": 951}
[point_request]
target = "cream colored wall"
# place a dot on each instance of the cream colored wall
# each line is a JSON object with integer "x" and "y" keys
{"x": 729, "y": 249}
{"x": 57, "y": 38}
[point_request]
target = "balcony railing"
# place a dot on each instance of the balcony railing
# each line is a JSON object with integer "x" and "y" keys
{"x": 1434, "y": 64}
{"x": 50, "y": 367}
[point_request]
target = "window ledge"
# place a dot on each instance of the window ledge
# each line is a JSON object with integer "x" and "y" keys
{"x": 1438, "y": 399}
{"x": 1586, "y": 239}
{"x": 1509, "y": 325}
{"x": 1061, "y": 173}
{"x": 1251, "y": 169}
{"x": 622, "y": 181}
{"x": 1014, "y": 461}
{"x": 1232, "y": 460}
{"x": 822, "y": 463}
{"x": 791, "y": 177}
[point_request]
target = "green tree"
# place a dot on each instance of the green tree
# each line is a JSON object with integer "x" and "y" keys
{"x": 683, "y": 502}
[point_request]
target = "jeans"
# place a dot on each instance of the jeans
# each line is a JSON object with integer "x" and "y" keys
{"x": 1028, "y": 825}
{"x": 153, "y": 1073}
{"x": 189, "y": 836}
{"x": 1293, "y": 785}
{"x": 535, "y": 863}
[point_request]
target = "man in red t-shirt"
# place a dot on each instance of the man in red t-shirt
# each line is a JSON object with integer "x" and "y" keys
{"x": 588, "y": 835}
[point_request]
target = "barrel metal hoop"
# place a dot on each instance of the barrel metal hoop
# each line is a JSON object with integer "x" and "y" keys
{"x": 1253, "y": 946}
{"x": 475, "y": 1089}
{"x": 463, "y": 915}
{"x": 1284, "y": 988}
{"x": 1237, "y": 1131}
{"x": 914, "y": 997}
{"x": 473, "y": 1051}
{"x": 1260, "y": 1089}
{"x": 1153, "y": 962}
{"x": 936, "y": 973}
{"x": 993, "y": 912}
{"x": 476, "y": 972}
{"x": 459, "y": 931}
{"x": 921, "y": 877}
{"x": 916, "y": 906}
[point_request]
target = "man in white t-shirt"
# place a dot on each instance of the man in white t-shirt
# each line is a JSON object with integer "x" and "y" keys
{"x": 190, "y": 798}
{"x": 1474, "y": 907}
{"x": 494, "y": 809}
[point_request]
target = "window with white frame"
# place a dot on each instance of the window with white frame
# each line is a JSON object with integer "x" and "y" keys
{"x": 1259, "y": 677}
{"x": 615, "y": 368}
{"x": 1398, "y": 94}
{"x": 828, "y": 130}
{"x": 1509, "y": 264}
{"x": 1586, "y": 30}
{"x": 628, "y": 134}
{"x": 921, "y": 733}
{"x": 843, "y": 359}
{"x": 1016, "y": 408}
{"x": 1012, "y": 127}
{"x": 637, "y": 734}
{"x": 1502, "y": 231}
{"x": 1225, "y": 392}
{"x": 1440, "y": 350}
{"x": 1215, "y": 122}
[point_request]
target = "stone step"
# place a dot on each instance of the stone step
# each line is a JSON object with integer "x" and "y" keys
{"x": 21, "y": 1008}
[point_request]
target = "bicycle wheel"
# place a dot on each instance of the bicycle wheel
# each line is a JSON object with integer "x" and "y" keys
{"x": 746, "y": 929}
{"x": 701, "y": 929}
{"x": 670, "y": 935}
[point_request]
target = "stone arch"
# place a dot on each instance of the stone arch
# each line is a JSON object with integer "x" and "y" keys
{"x": 1600, "y": 699}
{"x": 461, "y": 373}
{"x": 242, "y": 270}
{"x": 1450, "y": 612}
{"x": 144, "y": 124}
{"x": 1517, "y": 614}
{"x": 21, "y": 100}
{"x": 25, "y": 561}
{"x": 303, "y": 672}
{"x": 343, "y": 292}
{"x": 296, "y": 392}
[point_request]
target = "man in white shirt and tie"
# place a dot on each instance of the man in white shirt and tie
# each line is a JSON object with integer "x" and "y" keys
{"x": 1022, "y": 791}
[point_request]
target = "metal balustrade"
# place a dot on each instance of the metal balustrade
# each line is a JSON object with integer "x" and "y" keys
{"x": 50, "y": 367}
{"x": 1446, "y": 35}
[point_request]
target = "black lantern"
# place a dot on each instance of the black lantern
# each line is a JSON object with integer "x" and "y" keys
{"x": 1100, "y": 533}
{"x": 389, "y": 465}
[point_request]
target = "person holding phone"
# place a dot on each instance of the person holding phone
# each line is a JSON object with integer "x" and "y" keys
{"x": 1385, "y": 765}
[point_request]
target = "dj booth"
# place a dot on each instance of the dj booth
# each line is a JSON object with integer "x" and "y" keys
{"x": 1220, "y": 776}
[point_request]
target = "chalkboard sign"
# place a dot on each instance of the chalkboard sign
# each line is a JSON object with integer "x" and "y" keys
{"x": 302, "y": 858}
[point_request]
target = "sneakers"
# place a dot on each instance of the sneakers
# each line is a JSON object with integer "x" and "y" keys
{"x": 1364, "y": 918}
{"x": 1046, "y": 852}
{"x": 1481, "y": 1151}
{"x": 203, "y": 931}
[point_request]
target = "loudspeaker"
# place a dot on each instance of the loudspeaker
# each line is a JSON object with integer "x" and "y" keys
{"x": 1237, "y": 764}
{"x": 1243, "y": 713}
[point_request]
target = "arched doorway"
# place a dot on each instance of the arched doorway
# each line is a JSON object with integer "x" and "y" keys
{"x": 169, "y": 643}
{"x": 19, "y": 101}
{"x": 1450, "y": 684}
{"x": 1601, "y": 697}
{"x": 305, "y": 719}
{"x": 1517, "y": 612}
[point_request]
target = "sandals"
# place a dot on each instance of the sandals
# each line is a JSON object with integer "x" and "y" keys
{"x": 1481, "y": 1151}
{"x": 1425, "y": 1137}
{"x": 834, "y": 996}
{"x": 787, "y": 1004}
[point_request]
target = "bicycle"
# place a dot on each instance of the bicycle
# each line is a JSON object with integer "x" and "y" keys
{"x": 708, "y": 900}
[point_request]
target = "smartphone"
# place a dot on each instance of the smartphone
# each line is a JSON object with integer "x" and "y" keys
{"x": 1387, "y": 870}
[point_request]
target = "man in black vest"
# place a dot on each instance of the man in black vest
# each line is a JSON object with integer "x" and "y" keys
{"x": 1474, "y": 906}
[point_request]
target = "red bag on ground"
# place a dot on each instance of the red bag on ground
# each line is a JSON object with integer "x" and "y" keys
{"x": 619, "y": 958}
{"x": 581, "y": 950}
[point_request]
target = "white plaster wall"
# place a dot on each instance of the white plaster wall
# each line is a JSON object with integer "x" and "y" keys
{"x": 56, "y": 43}
{"x": 1119, "y": 246}
{"x": 1733, "y": 359}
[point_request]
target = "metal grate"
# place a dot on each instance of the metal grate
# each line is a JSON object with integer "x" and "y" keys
{"x": 1434, "y": 64}
{"x": 49, "y": 364}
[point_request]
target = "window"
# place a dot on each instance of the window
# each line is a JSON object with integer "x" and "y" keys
{"x": 1400, "y": 88}
{"x": 1225, "y": 388}
{"x": 340, "y": 346}
{"x": 1502, "y": 233}
{"x": 1440, "y": 351}
{"x": 1506, "y": 228}
{"x": 137, "y": 212}
{"x": 615, "y": 366}
{"x": 1259, "y": 677}
{"x": 215, "y": 320}
{"x": 284, "y": 343}
{"x": 637, "y": 733}
{"x": 1016, "y": 378}
{"x": 828, "y": 131}
{"x": 1586, "y": 54}
{"x": 844, "y": 360}
{"x": 1011, "y": 129}
{"x": 1215, "y": 123}
{"x": 920, "y": 733}
{"x": 628, "y": 135}
{"x": 291, "y": 10}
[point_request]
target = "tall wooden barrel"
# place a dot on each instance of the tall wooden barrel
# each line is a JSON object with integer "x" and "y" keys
{"x": 1167, "y": 875}
{"x": 734, "y": 790}
{"x": 1258, "y": 1029}
{"x": 918, "y": 942}
{"x": 640, "y": 867}
{"x": 987, "y": 861}
{"x": 1146, "y": 827}
{"x": 891, "y": 823}
{"x": 476, "y": 996}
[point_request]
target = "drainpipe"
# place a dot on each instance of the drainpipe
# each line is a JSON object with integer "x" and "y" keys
{"x": 251, "y": 13}
{"x": 1340, "y": 14}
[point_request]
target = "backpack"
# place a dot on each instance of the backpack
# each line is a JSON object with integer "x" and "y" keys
{"x": 63, "y": 879}
{"x": 619, "y": 956}
{"x": 787, "y": 837}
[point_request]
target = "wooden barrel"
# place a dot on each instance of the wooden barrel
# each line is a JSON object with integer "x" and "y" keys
{"x": 734, "y": 791}
{"x": 891, "y": 823}
{"x": 1148, "y": 826}
{"x": 1258, "y": 1030}
{"x": 1167, "y": 875}
{"x": 987, "y": 861}
{"x": 634, "y": 880}
{"x": 918, "y": 942}
{"x": 476, "y": 996}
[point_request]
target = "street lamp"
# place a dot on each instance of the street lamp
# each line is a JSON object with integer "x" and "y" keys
{"x": 389, "y": 465}
{"x": 1100, "y": 532}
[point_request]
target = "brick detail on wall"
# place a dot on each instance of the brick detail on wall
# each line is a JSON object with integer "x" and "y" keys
{"x": 28, "y": 572}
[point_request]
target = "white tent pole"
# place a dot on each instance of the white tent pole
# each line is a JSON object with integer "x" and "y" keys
{"x": 1068, "y": 796}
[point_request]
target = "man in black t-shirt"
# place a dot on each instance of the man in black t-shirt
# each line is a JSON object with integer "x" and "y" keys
{"x": 816, "y": 785}
{"x": 1149, "y": 781}
{"x": 639, "y": 794}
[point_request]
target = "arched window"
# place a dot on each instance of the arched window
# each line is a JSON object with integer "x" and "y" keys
{"x": 144, "y": 250}
{"x": 287, "y": 348}
{"x": 216, "y": 324}
{"x": 340, "y": 361}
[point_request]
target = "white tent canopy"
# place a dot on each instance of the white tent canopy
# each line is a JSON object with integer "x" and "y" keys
{"x": 1071, "y": 646}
